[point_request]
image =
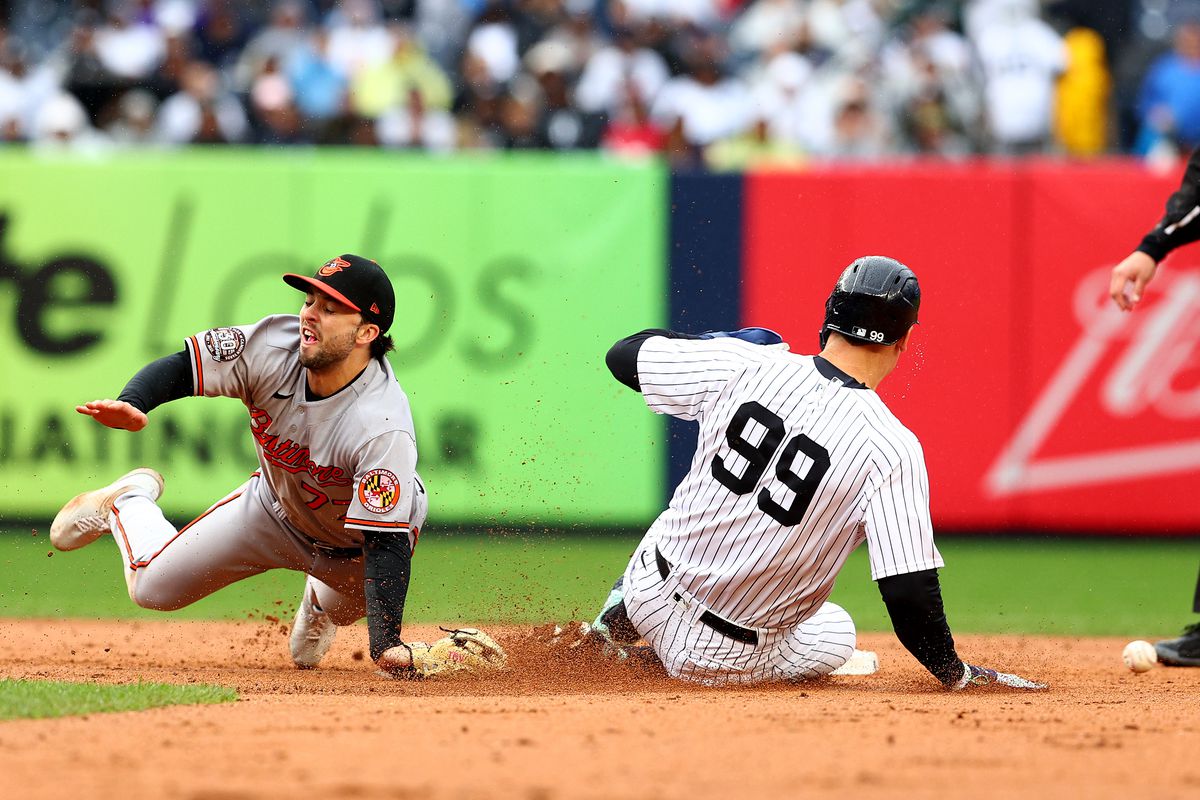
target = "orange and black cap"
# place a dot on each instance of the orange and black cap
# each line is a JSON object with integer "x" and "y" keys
{"x": 356, "y": 281}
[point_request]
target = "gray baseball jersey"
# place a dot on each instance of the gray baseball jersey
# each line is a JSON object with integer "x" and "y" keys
{"x": 338, "y": 466}
{"x": 796, "y": 465}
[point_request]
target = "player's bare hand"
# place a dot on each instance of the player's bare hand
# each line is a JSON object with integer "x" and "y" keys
{"x": 982, "y": 676}
{"x": 1129, "y": 279}
{"x": 114, "y": 414}
{"x": 396, "y": 660}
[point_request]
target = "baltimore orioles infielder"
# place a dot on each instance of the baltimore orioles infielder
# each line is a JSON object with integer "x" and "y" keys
{"x": 798, "y": 462}
{"x": 336, "y": 495}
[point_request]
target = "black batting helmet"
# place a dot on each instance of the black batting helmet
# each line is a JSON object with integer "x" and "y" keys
{"x": 875, "y": 301}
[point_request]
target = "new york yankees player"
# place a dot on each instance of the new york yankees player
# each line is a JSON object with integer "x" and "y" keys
{"x": 336, "y": 495}
{"x": 1180, "y": 225}
{"x": 798, "y": 462}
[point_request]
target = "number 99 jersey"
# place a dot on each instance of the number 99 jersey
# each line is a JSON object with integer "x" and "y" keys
{"x": 796, "y": 464}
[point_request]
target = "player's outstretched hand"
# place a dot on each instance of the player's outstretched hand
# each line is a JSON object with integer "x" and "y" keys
{"x": 982, "y": 676}
{"x": 763, "y": 336}
{"x": 1129, "y": 279}
{"x": 465, "y": 650}
{"x": 114, "y": 414}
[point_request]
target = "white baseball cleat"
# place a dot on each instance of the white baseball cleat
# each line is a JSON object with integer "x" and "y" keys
{"x": 861, "y": 662}
{"x": 84, "y": 519}
{"x": 312, "y": 633}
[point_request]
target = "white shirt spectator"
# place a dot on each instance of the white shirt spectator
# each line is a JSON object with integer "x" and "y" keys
{"x": 62, "y": 124}
{"x": 1021, "y": 57}
{"x": 180, "y": 117}
{"x": 699, "y": 12}
{"x": 708, "y": 112}
{"x": 130, "y": 51}
{"x": 601, "y": 86}
{"x": 357, "y": 39}
{"x": 436, "y": 131}
{"x": 495, "y": 43}
{"x": 767, "y": 24}
{"x": 21, "y": 97}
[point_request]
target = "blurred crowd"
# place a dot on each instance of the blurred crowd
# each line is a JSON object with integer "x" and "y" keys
{"x": 718, "y": 84}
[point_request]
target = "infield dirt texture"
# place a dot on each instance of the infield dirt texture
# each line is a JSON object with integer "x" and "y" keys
{"x": 550, "y": 728}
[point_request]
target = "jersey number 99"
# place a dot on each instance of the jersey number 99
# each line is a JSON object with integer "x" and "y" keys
{"x": 758, "y": 457}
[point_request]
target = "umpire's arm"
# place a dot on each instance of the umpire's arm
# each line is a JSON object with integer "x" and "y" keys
{"x": 914, "y": 602}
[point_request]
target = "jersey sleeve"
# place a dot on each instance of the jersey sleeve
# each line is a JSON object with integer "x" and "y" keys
{"x": 898, "y": 528}
{"x": 384, "y": 485}
{"x": 682, "y": 377}
{"x": 226, "y": 361}
{"x": 1181, "y": 223}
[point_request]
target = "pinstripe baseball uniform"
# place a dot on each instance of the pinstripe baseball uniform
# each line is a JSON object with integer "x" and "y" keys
{"x": 796, "y": 465}
{"x": 330, "y": 472}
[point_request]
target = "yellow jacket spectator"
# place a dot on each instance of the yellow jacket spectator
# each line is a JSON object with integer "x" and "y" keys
{"x": 381, "y": 87}
{"x": 1081, "y": 110}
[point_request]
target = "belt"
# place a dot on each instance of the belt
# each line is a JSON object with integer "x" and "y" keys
{"x": 721, "y": 626}
{"x": 336, "y": 552}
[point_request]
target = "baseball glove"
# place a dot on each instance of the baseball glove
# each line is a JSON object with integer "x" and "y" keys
{"x": 464, "y": 650}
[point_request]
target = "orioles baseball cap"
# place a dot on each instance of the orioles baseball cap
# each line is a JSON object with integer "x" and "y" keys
{"x": 356, "y": 281}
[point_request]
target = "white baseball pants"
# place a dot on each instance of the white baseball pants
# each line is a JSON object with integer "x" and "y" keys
{"x": 238, "y": 537}
{"x": 670, "y": 620}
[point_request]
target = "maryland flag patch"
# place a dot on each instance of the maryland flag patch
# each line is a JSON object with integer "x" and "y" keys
{"x": 379, "y": 491}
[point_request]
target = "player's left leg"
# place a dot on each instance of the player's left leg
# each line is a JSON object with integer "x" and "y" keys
{"x": 814, "y": 648}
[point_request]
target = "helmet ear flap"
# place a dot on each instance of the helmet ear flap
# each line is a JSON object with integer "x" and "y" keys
{"x": 824, "y": 335}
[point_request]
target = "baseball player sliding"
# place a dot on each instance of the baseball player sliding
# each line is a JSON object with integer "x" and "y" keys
{"x": 336, "y": 495}
{"x": 798, "y": 462}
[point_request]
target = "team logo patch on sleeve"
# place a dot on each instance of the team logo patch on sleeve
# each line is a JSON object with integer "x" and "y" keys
{"x": 379, "y": 491}
{"x": 225, "y": 344}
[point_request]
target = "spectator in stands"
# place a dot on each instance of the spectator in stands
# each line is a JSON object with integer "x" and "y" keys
{"x": 221, "y": 31}
{"x": 133, "y": 123}
{"x": 1169, "y": 102}
{"x": 283, "y": 37}
{"x": 767, "y": 27}
{"x": 414, "y": 125}
{"x": 560, "y": 125}
{"x": 703, "y": 104}
{"x": 390, "y": 84}
{"x": 1022, "y": 58}
{"x": 320, "y": 89}
{"x": 630, "y": 132}
{"x": 1082, "y": 102}
{"x": 23, "y": 90}
{"x": 61, "y": 123}
{"x": 578, "y": 32}
{"x": 357, "y": 37}
{"x": 127, "y": 49}
{"x": 494, "y": 43}
{"x": 603, "y": 86}
{"x": 860, "y": 132}
{"x": 201, "y": 112}
{"x": 276, "y": 120}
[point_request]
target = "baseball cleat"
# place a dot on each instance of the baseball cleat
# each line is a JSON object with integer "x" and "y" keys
{"x": 312, "y": 633}
{"x": 1183, "y": 651}
{"x": 861, "y": 662}
{"x": 84, "y": 519}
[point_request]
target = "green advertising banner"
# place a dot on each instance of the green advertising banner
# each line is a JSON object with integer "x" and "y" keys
{"x": 513, "y": 277}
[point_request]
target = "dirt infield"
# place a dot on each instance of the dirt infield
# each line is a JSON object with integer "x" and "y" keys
{"x": 549, "y": 731}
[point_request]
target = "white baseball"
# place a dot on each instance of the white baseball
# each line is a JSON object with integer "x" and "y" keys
{"x": 1139, "y": 656}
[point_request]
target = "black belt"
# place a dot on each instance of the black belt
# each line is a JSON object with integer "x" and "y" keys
{"x": 336, "y": 552}
{"x": 721, "y": 626}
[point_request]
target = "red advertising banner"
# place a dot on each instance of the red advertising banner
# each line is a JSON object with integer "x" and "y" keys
{"x": 1038, "y": 404}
